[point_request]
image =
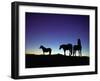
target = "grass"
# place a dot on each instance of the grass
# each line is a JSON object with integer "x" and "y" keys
{"x": 32, "y": 60}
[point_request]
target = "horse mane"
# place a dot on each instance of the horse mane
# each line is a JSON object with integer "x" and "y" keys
{"x": 42, "y": 46}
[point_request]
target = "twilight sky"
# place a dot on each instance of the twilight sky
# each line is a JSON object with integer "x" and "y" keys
{"x": 52, "y": 30}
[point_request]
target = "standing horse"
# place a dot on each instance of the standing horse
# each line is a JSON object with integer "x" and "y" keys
{"x": 78, "y": 48}
{"x": 66, "y": 47}
{"x": 46, "y": 49}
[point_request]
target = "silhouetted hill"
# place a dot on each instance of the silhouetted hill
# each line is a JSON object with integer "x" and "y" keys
{"x": 33, "y": 60}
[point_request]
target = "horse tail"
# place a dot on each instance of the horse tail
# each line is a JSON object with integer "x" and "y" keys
{"x": 50, "y": 51}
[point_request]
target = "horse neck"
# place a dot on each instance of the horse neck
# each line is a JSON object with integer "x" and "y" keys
{"x": 61, "y": 47}
{"x": 43, "y": 48}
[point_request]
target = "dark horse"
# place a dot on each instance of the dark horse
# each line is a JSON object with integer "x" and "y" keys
{"x": 78, "y": 48}
{"x": 66, "y": 47}
{"x": 46, "y": 49}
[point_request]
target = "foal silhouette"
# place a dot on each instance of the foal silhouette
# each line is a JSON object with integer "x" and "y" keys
{"x": 78, "y": 48}
{"x": 45, "y": 49}
{"x": 66, "y": 47}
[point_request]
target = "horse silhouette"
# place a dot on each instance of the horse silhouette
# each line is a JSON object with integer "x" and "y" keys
{"x": 66, "y": 47}
{"x": 78, "y": 48}
{"x": 45, "y": 49}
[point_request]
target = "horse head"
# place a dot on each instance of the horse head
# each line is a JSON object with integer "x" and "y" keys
{"x": 60, "y": 46}
{"x": 41, "y": 46}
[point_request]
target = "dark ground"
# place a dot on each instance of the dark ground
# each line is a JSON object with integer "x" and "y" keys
{"x": 33, "y": 61}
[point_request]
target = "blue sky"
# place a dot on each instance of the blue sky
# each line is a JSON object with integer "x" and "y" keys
{"x": 52, "y": 30}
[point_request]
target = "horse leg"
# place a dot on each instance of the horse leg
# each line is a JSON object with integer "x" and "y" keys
{"x": 74, "y": 53}
{"x": 49, "y": 52}
{"x": 43, "y": 53}
{"x": 80, "y": 53}
{"x": 69, "y": 52}
{"x": 64, "y": 52}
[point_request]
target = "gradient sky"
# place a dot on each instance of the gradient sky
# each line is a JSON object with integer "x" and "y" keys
{"x": 52, "y": 30}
